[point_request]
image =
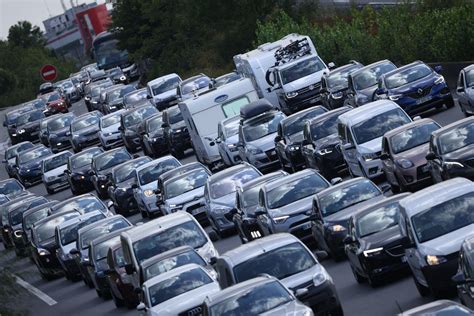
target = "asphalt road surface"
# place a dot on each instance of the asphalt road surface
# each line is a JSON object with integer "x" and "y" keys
{"x": 77, "y": 299}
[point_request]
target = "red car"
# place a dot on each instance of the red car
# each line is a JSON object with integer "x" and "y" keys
{"x": 56, "y": 104}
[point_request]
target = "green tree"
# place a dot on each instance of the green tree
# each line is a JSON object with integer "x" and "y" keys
{"x": 25, "y": 35}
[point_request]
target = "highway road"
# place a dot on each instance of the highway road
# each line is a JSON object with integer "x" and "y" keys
{"x": 75, "y": 298}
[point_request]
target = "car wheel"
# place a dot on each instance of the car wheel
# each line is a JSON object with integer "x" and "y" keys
{"x": 144, "y": 214}
{"x": 423, "y": 290}
{"x": 117, "y": 301}
{"x": 99, "y": 293}
{"x": 449, "y": 103}
{"x": 357, "y": 276}
{"x": 73, "y": 190}
{"x": 373, "y": 281}
{"x": 45, "y": 276}
{"x": 50, "y": 192}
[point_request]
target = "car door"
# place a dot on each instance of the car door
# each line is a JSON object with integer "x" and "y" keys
{"x": 349, "y": 150}
{"x": 263, "y": 220}
{"x": 411, "y": 253}
{"x": 350, "y": 93}
{"x": 388, "y": 163}
{"x": 461, "y": 92}
{"x": 317, "y": 226}
{"x": 307, "y": 147}
{"x": 352, "y": 249}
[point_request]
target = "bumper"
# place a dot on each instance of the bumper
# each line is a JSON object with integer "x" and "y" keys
{"x": 198, "y": 211}
{"x": 101, "y": 187}
{"x": 466, "y": 172}
{"x": 383, "y": 265}
{"x": 57, "y": 184}
{"x": 132, "y": 142}
{"x": 439, "y": 277}
{"x": 373, "y": 168}
{"x": 49, "y": 264}
{"x": 413, "y": 106}
{"x": 222, "y": 224}
{"x": 322, "y": 298}
{"x": 70, "y": 267}
{"x": 415, "y": 178}
{"x": 28, "y": 136}
{"x": 59, "y": 145}
{"x": 100, "y": 282}
{"x": 264, "y": 163}
{"x": 181, "y": 140}
{"x": 334, "y": 241}
{"x": 31, "y": 178}
{"x": 108, "y": 142}
{"x": 159, "y": 146}
{"x": 124, "y": 201}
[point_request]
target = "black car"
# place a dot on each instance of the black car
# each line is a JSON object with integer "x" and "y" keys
{"x": 332, "y": 209}
{"x": 44, "y": 245}
{"x": 102, "y": 168}
{"x": 290, "y": 137}
{"x": 114, "y": 98}
{"x": 116, "y": 75}
{"x": 43, "y": 130}
{"x": 10, "y": 155}
{"x": 84, "y": 204}
{"x": 130, "y": 122}
{"x": 28, "y": 126}
{"x": 465, "y": 276}
{"x": 321, "y": 143}
{"x": 10, "y": 122}
{"x": 28, "y": 164}
{"x": 79, "y": 170}
{"x": 153, "y": 137}
{"x": 451, "y": 152}
{"x": 374, "y": 243}
{"x": 175, "y": 130}
{"x": 5, "y": 229}
{"x": 92, "y": 94}
{"x": 465, "y": 90}
{"x": 334, "y": 85}
{"x": 59, "y": 132}
{"x": 84, "y": 131}
{"x": 246, "y": 203}
{"x": 120, "y": 185}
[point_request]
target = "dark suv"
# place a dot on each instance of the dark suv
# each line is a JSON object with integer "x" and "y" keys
{"x": 176, "y": 132}
{"x": 334, "y": 85}
{"x": 28, "y": 125}
{"x": 130, "y": 122}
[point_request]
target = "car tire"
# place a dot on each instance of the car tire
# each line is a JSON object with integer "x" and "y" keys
{"x": 449, "y": 103}
{"x": 359, "y": 279}
{"x": 117, "y": 301}
{"x": 373, "y": 281}
{"x": 99, "y": 293}
{"x": 50, "y": 192}
{"x": 144, "y": 214}
{"x": 423, "y": 290}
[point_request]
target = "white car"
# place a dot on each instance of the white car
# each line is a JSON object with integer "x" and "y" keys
{"x": 53, "y": 168}
{"x": 109, "y": 133}
{"x": 180, "y": 291}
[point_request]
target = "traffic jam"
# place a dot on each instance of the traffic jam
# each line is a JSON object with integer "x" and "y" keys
{"x": 304, "y": 162}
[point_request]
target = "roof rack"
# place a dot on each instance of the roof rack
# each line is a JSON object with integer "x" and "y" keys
{"x": 292, "y": 51}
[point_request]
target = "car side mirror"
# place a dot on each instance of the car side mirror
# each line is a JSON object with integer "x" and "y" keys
{"x": 129, "y": 268}
{"x": 460, "y": 279}
{"x": 67, "y": 171}
{"x": 417, "y": 118}
{"x": 321, "y": 255}
{"x": 384, "y": 156}
{"x": 348, "y": 240}
{"x": 336, "y": 180}
{"x": 431, "y": 156}
{"x": 212, "y": 143}
{"x": 332, "y": 65}
{"x": 134, "y": 186}
{"x": 141, "y": 307}
{"x": 213, "y": 236}
{"x": 74, "y": 251}
{"x": 438, "y": 69}
{"x": 260, "y": 212}
{"x": 110, "y": 204}
{"x": 278, "y": 138}
{"x": 149, "y": 97}
{"x": 218, "y": 140}
{"x": 212, "y": 261}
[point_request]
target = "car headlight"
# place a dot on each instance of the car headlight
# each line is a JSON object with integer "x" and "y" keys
{"x": 129, "y": 133}
{"x": 439, "y": 80}
{"x": 280, "y": 219}
{"x": 123, "y": 78}
{"x": 435, "y": 260}
{"x": 220, "y": 211}
{"x": 148, "y": 193}
{"x": 372, "y": 252}
{"x": 68, "y": 133}
{"x": 324, "y": 151}
{"x": 292, "y": 94}
{"x": 50, "y": 178}
{"x": 337, "y": 228}
{"x": 179, "y": 130}
{"x": 21, "y": 131}
{"x": 394, "y": 97}
{"x": 337, "y": 95}
{"x": 254, "y": 150}
{"x": 294, "y": 148}
{"x": 405, "y": 163}
{"x": 320, "y": 276}
{"x": 452, "y": 164}
{"x": 43, "y": 252}
{"x": 232, "y": 147}
{"x": 87, "y": 98}
{"x": 370, "y": 156}
{"x": 18, "y": 233}
{"x": 94, "y": 102}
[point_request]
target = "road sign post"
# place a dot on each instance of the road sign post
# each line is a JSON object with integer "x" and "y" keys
{"x": 48, "y": 72}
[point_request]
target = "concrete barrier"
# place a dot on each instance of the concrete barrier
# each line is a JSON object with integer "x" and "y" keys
{"x": 451, "y": 71}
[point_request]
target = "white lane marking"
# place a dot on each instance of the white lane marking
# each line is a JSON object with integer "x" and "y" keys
{"x": 35, "y": 291}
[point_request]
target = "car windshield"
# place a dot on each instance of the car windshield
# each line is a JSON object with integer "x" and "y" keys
{"x": 378, "y": 219}
{"x": 407, "y": 75}
{"x": 56, "y": 161}
{"x": 231, "y": 128}
{"x": 188, "y": 86}
{"x": 135, "y": 97}
{"x": 16, "y": 214}
{"x": 109, "y": 160}
{"x": 54, "y": 97}
{"x": 60, "y": 122}
{"x": 29, "y": 117}
{"x": 167, "y": 85}
{"x": 295, "y": 190}
{"x": 185, "y": 234}
{"x": 413, "y": 137}
{"x": 113, "y": 95}
{"x": 10, "y": 187}
{"x": 261, "y": 127}
{"x": 456, "y": 138}
{"x": 46, "y": 230}
{"x": 12, "y": 151}
{"x": 470, "y": 78}
{"x": 171, "y": 263}
{"x": 84, "y": 123}
{"x": 338, "y": 80}
{"x": 378, "y": 125}
{"x": 174, "y": 115}
{"x": 177, "y": 285}
{"x": 296, "y": 125}
{"x": 68, "y": 234}
{"x": 139, "y": 115}
{"x": 101, "y": 230}
{"x": 110, "y": 120}
{"x": 67, "y": 85}
{"x": 83, "y": 204}
{"x": 281, "y": 263}
{"x": 32, "y": 218}
{"x": 368, "y": 77}
{"x": 444, "y": 218}
{"x": 152, "y": 173}
{"x": 180, "y": 185}
{"x": 119, "y": 258}
{"x": 228, "y": 184}
{"x": 33, "y": 154}
{"x": 101, "y": 249}
{"x": 324, "y": 128}
{"x": 301, "y": 69}
{"x": 249, "y": 197}
{"x": 85, "y": 158}
{"x": 155, "y": 124}
{"x": 127, "y": 170}
{"x": 126, "y": 90}
{"x": 347, "y": 196}
{"x": 253, "y": 302}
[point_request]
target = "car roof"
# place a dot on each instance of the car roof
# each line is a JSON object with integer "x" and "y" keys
{"x": 183, "y": 169}
{"x": 290, "y": 178}
{"x": 155, "y": 162}
{"x": 22, "y": 199}
{"x": 470, "y": 67}
{"x": 257, "y": 247}
{"x": 162, "y": 78}
{"x": 298, "y": 115}
{"x": 343, "y": 184}
{"x": 39, "y": 207}
{"x": 453, "y": 125}
{"x": 366, "y": 209}
{"x": 78, "y": 197}
{"x": 108, "y": 236}
{"x": 367, "y": 111}
{"x": 229, "y": 172}
{"x": 157, "y": 225}
{"x": 19, "y": 144}
{"x": 110, "y": 151}
{"x": 79, "y": 219}
{"x": 167, "y": 254}
{"x": 410, "y": 125}
{"x": 353, "y": 63}
{"x": 263, "y": 179}
{"x": 444, "y": 191}
{"x": 61, "y": 153}
{"x": 131, "y": 162}
{"x": 174, "y": 272}
{"x": 370, "y": 66}
{"x": 53, "y": 216}
{"x": 86, "y": 150}
{"x": 325, "y": 116}
{"x": 407, "y": 66}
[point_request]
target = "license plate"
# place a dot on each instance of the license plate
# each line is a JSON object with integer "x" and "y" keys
{"x": 404, "y": 259}
{"x": 423, "y": 99}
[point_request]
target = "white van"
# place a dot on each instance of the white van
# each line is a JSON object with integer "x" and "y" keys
{"x": 361, "y": 131}
{"x": 255, "y": 64}
{"x": 162, "y": 234}
{"x": 203, "y": 113}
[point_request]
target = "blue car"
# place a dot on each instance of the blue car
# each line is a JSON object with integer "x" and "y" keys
{"x": 415, "y": 88}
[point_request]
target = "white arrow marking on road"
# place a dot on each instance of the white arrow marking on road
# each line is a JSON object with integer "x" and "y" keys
{"x": 35, "y": 291}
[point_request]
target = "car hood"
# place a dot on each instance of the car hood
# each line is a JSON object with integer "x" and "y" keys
{"x": 290, "y": 308}
{"x": 81, "y": 170}
{"x": 373, "y": 146}
{"x": 265, "y": 143}
{"x": 447, "y": 244}
{"x": 185, "y": 301}
{"x": 233, "y": 139}
{"x": 385, "y": 238}
{"x": 327, "y": 141}
{"x": 56, "y": 171}
{"x": 88, "y": 130}
{"x": 195, "y": 194}
{"x": 298, "y": 279}
{"x": 296, "y": 138}
{"x": 227, "y": 200}
{"x": 29, "y": 126}
{"x": 61, "y": 132}
{"x": 33, "y": 164}
{"x": 127, "y": 184}
{"x": 165, "y": 95}
{"x": 296, "y": 207}
{"x": 461, "y": 154}
{"x": 368, "y": 92}
{"x": 343, "y": 216}
{"x": 417, "y": 154}
{"x": 68, "y": 247}
{"x": 48, "y": 244}
{"x": 106, "y": 172}
{"x": 313, "y": 78}
{"x": 413, "y": 86}
{"x": 111, "y": 129}
{"x": 149, "y": 186}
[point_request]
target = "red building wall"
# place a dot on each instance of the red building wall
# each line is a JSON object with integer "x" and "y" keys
{"x": 92, "y": 22}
